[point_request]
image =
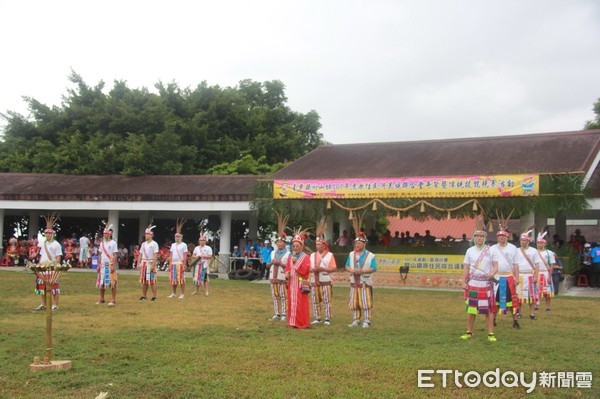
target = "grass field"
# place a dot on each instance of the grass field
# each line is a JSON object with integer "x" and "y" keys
{"x": 223, "y": 346}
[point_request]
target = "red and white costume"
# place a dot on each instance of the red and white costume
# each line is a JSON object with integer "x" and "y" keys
{"x": 177, "y": 266}
{"x": 147, "y": 266}
{"x": 106, "y": 277}
{"x": 320, "y": 282}
{"x": 298, "y": 268}
{"x": 201, "y": 268}
{"x": 528, "y": 260}
{"x": 278, "y": 283}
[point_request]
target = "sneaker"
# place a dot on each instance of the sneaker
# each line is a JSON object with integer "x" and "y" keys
{"x": 181, "y": 296}
{"x": 172, "y": 296}
{"x": 275, "y": 318}
{"x": 41, "y": 307}
{"x": 366, "y": 324}
{"x": 355, "y": 323}
{"x": 547, "y": 309}
{"x": 100, "y": 302}
{"x": 194, "y": 293}
{"x": 143, "y": 298}
{"x": 283, "y": 318}
{"x": 492, "y": 337}
{"x": 467, "y": 335}
{"x": 316, "y": 321}
{"x": 516, "y": 325}
{"x": 206, "y": 293}
{"x": 54, "y": 308}
{"x": 519, "y": 316}
{"x": 111, "y": 303}
{"x": 531, "y": 317}
{"x": 327, "y": 323}
{"x": 154, "y": 299}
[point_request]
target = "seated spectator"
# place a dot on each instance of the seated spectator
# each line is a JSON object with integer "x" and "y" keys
{"x": 373, "y": 239}
{"x": 428, "y": 239}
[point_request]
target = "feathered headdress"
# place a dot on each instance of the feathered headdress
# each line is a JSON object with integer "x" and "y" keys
{"x": 527, "y": 235}
{"x": 108, "y": 229}
{"x": 480, "y": 226}
{"x": 356, "y": 224}
{"x": 202, "y": 236}
{"x": 503, "y": 223}
{"x": 178, "y": 226}
{"x": 50, "y": 221}
{"x": 149, "y": 229}
{"x": 541, "y": 237}
{"x": 281, "y": 225}
{"x": 299, "y": 234}
{"x": 320, "y": 231}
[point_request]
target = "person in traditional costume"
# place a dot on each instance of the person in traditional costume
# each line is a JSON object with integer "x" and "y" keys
{"x": 322, "y": 262}
{"x": 50, "y": 251}
{"x": 34, "y": 250}
{"x": 107, "y": 266}
{"x": 279, "y": 258}
{"x": 177, "y": 260}
{"x": 84, "y": 253}
{"x": 297, "y": 272}
{"x": 480, "y": 266}
{"x": 201, "y": 257}
{"x": 361, "y": 265}
{"x": 547, "y": 258}
{"x": 507, "y": 275}
{"x": 529, "y": 263}
{"x": 147, "y": 263}
{"x": 12, "y": 251}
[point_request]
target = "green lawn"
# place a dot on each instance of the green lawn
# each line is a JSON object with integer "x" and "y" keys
{"x": 223, "y": 346}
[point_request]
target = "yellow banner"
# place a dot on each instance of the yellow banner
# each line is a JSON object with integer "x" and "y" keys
{"x": 411, "y": 187}
{"x": 419, "y": 263}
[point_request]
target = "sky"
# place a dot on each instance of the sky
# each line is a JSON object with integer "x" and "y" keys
{"x": 374, "y": 71}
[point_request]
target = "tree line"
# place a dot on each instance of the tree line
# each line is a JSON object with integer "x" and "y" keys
{"x": 246, "y": 129}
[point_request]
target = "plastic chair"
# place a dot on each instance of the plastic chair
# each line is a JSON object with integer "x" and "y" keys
{"x": 582, "y": 281}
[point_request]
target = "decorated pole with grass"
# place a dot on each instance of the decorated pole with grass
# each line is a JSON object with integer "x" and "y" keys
{"x": 49, "y": 273}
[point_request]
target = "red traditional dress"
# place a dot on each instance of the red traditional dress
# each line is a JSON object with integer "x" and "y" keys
{"x": 298, "y": 268}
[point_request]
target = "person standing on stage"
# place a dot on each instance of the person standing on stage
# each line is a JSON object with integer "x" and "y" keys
{"x": 107, "y": 267}
{"x": 147, "y": 264}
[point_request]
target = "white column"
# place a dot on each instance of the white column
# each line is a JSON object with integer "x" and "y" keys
{"x": 1, "y": 230}
{"x": 34, "y": 224}
{"x": 253, "y": 226}
{"x": 225, "y": 241}
{"x": 143, "y": 223}
{"x": 527, "y": 221}
{"x": 345, "y": 225}
{"x": 113, "y": 218}
{"x": 329, "y": 229}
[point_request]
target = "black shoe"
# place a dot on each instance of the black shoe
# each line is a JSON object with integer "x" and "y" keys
{"x": 531, "y": 317}
{"x": 154, "y": 299}
{"x": 516, "y": 325}
{"x": 142, "y": 298}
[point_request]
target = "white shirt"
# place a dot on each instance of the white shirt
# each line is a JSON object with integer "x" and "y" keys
{"x": 479, "y": 267}
{"x": 107, "y": 250}
{"x": 524, "y": 265}
{"x": 54, "y": 249}
{"x": 178, "y": 251}
{"x": 84, "y": 242}
{"x": 148, "y": 250}
{"x": 204, "y": 250}
{"x": 506, "y": 257}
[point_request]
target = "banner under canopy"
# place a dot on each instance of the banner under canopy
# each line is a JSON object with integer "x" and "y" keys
{"x": 410, "y": 187}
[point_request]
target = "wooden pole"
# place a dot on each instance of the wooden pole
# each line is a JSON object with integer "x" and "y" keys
{"x": 49, "y": 354}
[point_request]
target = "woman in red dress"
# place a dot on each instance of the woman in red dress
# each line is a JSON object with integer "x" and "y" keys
{"x": 297, "y": 274}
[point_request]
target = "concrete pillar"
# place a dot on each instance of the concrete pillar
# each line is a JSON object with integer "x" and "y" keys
{"x": 345, "y": 225}
{"x": 113, "y": 218}
{"x": 225, "y": 241}
{"x": 33, "y": 227}
{"x": 253, "y": 226}
{"x": 527, "y": 221}
{"x": 560, "y": 225}
{"x": 329, "y": 229}
{"x": 143, "y": 223}
{"x": 1, "y": 230}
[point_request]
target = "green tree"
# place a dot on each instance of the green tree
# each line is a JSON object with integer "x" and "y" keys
{"x": 594, "y": 123}
{"x": 208, "y": 129}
